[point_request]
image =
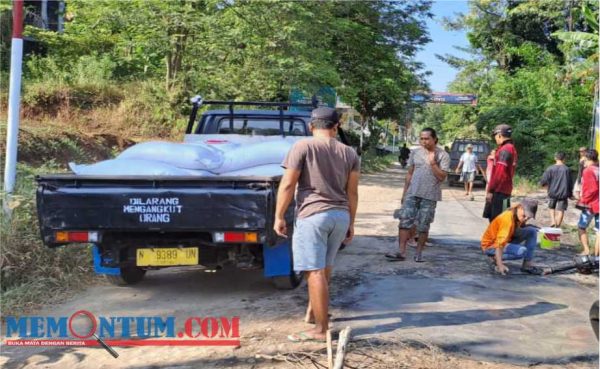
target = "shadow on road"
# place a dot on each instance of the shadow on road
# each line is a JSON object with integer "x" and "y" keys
{"x": 448, "y": 318}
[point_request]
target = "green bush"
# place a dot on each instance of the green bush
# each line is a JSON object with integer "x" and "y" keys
{"x": 85, "y": 83}
{"x": 547, "y": 115}
{"x": 152, "y": 110}
{"x": 370, "y": 162}
{"x": 31, "y": 273}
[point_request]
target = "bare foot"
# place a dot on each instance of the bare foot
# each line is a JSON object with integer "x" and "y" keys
{"x": 311, "y": 319}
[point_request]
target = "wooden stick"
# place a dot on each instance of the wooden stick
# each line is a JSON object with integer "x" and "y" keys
{"x": 341, "y": 348}
{"x": 329, "y": 351}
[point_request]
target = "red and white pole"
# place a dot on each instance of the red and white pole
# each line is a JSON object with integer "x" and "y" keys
{"x": 14, "y": 97}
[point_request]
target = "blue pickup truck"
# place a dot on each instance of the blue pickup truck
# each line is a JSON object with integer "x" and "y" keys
{"x": 209, "y": 221}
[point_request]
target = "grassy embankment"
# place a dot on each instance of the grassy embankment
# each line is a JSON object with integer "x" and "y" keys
{"x": 84, "y": 123}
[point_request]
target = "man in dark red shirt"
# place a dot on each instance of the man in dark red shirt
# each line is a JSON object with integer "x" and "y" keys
{"x": 500, "y": 186}
{"x": 589, "y": 202}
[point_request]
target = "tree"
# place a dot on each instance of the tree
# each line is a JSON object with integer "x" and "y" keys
{"x": 525, "y": 58}
{"x": 373, "y": 46}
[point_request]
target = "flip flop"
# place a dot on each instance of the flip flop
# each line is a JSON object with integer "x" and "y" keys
{"x": 303, "y": 337}
{"x": 419, "y": 259}
{"x": 395, "y": 257}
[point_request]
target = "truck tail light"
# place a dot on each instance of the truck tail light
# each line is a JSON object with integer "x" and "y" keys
{"x": 75, "y": 236}
{"x": 236, "y": 237}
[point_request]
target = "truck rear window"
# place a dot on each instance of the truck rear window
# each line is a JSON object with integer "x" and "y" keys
{"x": 261, "y": 126}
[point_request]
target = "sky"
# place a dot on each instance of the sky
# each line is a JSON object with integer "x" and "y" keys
{"x": 442, "y": 43}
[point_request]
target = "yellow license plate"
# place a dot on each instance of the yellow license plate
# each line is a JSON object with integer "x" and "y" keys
{"x": 167, "y": 257}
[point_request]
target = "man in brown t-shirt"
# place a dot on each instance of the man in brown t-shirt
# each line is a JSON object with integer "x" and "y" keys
{"x": 326, "y": 174}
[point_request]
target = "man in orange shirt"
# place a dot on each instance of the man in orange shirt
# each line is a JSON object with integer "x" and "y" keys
{"x": 504, "y": 237}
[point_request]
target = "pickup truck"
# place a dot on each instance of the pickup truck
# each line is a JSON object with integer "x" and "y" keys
{"x": 480, "y": 147}
{"x": 140, "y": 223}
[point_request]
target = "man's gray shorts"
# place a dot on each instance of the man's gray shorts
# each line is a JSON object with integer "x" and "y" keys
{"x": 317, "y": 239}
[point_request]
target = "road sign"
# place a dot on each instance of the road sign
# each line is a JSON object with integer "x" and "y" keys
{"x": 444, "y": 98}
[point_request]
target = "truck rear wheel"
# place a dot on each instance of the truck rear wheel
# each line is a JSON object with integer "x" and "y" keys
{"x": 288, "y": 282}
{"x": 452, "y": 180}
{"x": 129, "y": 275}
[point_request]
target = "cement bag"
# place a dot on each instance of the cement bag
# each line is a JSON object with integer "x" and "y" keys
{"x": 268, "y": 170}
{"x": 253, "y": 155}
{"x": 129, "y": 167}
{"x": 180, "y": 155}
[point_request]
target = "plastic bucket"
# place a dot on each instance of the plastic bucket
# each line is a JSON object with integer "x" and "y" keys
{"x": 549, "y": 237}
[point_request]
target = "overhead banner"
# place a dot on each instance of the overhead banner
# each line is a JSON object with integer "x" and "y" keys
{"x": 444, "y": 98}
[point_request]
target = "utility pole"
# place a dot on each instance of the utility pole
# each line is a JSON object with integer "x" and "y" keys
{"x": 14, "y": 99}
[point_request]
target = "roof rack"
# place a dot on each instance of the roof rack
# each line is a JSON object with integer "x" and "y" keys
{"x": 197, "y": 102}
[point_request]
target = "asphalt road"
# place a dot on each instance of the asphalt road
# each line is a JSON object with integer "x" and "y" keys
{"x": 451, "y": 301}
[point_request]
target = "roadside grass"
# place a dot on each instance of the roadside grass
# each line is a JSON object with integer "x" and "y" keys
{"x": 371, "y": 163}
{"x": 524, "y": 186}
{"x": 132, "y": 110}
{"x": 31, "y": 274}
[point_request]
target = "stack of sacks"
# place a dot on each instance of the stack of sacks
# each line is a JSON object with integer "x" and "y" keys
{"x": 134, "y": 167}
{"x": 205, "y": 155}
{"x": 181, "y": 155}
{"x": 258, "y": 155}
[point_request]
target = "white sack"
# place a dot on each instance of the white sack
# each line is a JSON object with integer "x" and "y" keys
{"x": 268, "y": 170}
{"x": 252, "y": 155}
{"x": 133, "y": 167}
{"x": 180, "y": 155}
{"x": 226, "y": 142}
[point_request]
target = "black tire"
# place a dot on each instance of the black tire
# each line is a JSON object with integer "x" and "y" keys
{"x": 129, "y": 275}
{"x": 594, "y": 318}
{"x": 288, "y": 282}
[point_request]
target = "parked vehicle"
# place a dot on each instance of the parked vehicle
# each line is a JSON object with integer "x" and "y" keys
{"x": 138, "y": 223}
{"x": 480, "y": 147}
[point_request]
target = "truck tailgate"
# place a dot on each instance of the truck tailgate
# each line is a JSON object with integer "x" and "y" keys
{"x": 69, "y": 202}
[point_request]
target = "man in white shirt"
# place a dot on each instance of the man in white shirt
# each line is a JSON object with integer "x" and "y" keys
{"x": 468, "y": 163}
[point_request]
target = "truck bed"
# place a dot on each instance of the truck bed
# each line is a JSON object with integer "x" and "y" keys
{"x": 155, "y": 204}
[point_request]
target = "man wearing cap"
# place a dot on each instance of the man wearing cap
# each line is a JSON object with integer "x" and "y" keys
{"x": 500, "y": 186}
{"x": 325, "y": 174}
{"x": 503, "y": 238}
{"x": 468, "y": 164}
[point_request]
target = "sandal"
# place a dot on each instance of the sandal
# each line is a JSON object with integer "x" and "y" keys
{"x": 304, "y": 337}
{"x": 395, "y": 257}
{"x": 419, "y": 258}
